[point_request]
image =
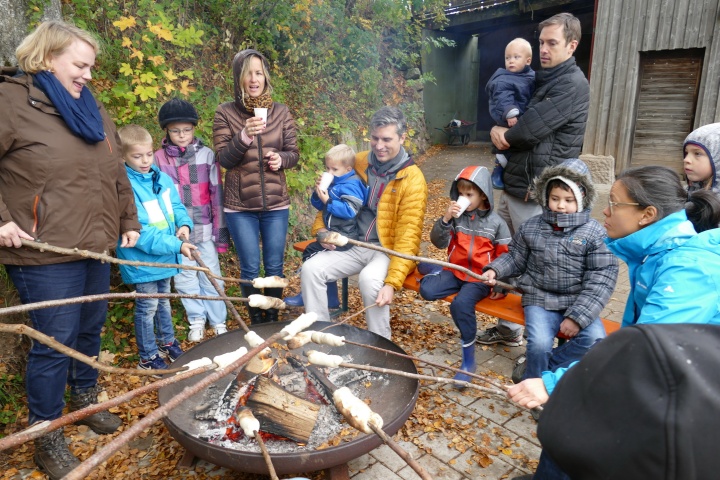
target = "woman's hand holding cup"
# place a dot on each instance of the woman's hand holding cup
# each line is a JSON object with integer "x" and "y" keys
{"x": 254, "y": 126}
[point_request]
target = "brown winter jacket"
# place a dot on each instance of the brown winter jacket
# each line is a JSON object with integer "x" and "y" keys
{"x": 250, "y": 185}
{"x": 54, "y": 185}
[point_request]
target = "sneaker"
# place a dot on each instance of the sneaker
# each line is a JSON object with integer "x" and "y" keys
{"x": 171, "y": 351}
{"x": 153, "y": 363}
{"x": 518, "y": 371}
{"x": 497, "y": 177}
{"x": 196, "y": 334}
{"x": 220, "y": 329}
{"x": 492, "y": 335}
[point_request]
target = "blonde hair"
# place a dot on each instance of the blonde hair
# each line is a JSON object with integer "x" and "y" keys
{"x": 49, "y": 40}
{"x": 131, "y": 135}
{"x": 341, "y": 153}
{"x": 246, "y": 71}
{"x": 523, "y": 44}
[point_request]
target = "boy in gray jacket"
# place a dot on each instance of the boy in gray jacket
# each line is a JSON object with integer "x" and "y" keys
{"x": 565, "y": 270}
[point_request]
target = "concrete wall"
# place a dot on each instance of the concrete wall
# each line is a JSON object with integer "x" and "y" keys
{"x": 454, "y": 93}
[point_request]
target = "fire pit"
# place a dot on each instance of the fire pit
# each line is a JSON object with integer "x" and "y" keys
{"x": 394, "y": 402}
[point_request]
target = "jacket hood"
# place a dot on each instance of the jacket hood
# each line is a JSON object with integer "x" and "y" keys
{"x": 708, "y": 138}
{"x": 480, "y": 176}
{"x": 237, "y": 65}
{"x": 576, "y": 175}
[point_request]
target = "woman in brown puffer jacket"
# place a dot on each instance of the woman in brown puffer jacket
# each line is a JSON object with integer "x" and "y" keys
{"x": 256, "y": 153}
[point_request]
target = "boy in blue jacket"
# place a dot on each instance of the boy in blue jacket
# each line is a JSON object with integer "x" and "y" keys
{"x": 165, "y": 226}
{"x": 509, "y": 91}
{"x": 340, "y": 204}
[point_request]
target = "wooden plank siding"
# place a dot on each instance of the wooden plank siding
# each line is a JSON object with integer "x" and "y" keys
{"x": 625, "y": 32}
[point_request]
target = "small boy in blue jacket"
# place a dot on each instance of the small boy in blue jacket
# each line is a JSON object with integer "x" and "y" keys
{"x": 340, "y": 205}
{"x": 509, "y": 92}
{"x": 165, "y": 226}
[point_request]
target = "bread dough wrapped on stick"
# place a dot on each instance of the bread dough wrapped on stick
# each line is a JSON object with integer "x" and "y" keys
{"x": 248, "y": 422}
{"x": 270, "y": 282}
{"x": 333, "y": 238}
{"x": 300, "y": 339}
{"x": 261, "y": 301}
{"x": 322, "y": 338}
{"x": 253, "y": 339}
{"x": 355, "y": 411}
{"x": 226, "y": 359}
{"x": 323, "y": 359}
{"x": 298, "y": 325}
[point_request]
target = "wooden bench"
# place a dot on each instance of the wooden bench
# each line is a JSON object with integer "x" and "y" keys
{"x": 508, "y": 308}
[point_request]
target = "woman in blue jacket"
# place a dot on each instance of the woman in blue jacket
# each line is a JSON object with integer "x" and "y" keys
{"x": 674, "y": 271}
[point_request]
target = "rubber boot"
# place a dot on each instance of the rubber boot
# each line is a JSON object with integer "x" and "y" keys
{"x": 468, "y": 365}
{"x": 53, "y": 456}
{"x": 271, "y": 314}
{"x": 256, "y": 314}
{"x": 497, "y": 177}
{"x": 102, "y": 422}
{"x": 332, "y": 294}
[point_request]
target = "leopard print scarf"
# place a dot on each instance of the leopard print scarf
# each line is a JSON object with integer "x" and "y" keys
{"x": 251, "y": 103}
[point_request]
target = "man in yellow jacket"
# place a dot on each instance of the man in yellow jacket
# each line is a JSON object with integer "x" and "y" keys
{"x": 391, "y": 217}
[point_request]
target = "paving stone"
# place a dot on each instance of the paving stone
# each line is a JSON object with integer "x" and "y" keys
{"x": 392, "y": 460}
{"x": 525, "y": 426}
{"x": 495, "y": 410}
{"x": 470, "y": 468}
{"x": 361, "y": 463}
{"x": 434, "y": 467}
{"x": 376, "y": 471}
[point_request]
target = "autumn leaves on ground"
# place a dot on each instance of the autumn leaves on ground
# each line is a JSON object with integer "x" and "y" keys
{"x": 155, "y": 454}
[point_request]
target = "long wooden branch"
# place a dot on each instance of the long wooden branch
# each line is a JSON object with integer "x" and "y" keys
{"x": 22, "y": 329}
{"x": 335, "y": 238}
{"x": 218, "y": 288}
{"x": 82, "y": 470}
{"x": 349, "y": 317}
{"x": 266, "y": 456}
{"x": 405, "y": 455}
{"x": 40, "y": 429}
{"x": 430, "y": 378}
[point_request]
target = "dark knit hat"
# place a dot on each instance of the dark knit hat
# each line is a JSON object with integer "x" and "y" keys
{"x": 643, "y": 403}
{"x": 177, "y": 110}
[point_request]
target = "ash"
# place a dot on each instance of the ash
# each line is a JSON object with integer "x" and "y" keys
{"x": 329, "y": 422}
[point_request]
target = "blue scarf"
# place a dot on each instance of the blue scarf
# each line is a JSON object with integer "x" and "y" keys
{"x": 82, "y": 116}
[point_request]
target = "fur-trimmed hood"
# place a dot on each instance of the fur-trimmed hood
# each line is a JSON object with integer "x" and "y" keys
{"x": 573, "y": 170}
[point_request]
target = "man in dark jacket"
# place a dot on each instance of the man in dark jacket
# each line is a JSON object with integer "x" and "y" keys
{"x": 551, "y": 130}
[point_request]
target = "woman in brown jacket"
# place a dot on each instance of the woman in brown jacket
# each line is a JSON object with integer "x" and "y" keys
{"x": 62, "y": 182}
{"x": 256, "y": 153}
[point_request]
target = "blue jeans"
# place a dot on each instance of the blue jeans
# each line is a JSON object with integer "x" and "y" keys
{"x": 541, "y": 327}
{"x": 462, "y": 308}
{"x": 76, "y": 326}
{"x": 247, "y": 229}
{"x": 547, "y": 469}
{"x": 152, "y": 314}
{"x": 197, "y": 283}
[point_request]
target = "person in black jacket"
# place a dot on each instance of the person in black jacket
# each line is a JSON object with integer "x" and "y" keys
{"x": 550, "y": 131}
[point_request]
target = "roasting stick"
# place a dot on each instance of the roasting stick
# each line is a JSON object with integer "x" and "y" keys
{"x": 335, "y": 238}
{"x": 76, "y": 252}
{"x": 266, "y": 456}
{"x": 218, "y": 288}
{"x": 227, "y": 365}
{"x": 344, "y": 320}
{"x": 42, "y": 428}
{"x": 360, "y": 416}
{"x": 337, "y": 341}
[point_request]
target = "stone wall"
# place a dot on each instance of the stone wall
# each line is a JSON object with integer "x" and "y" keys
{"x": 14, "y": 26}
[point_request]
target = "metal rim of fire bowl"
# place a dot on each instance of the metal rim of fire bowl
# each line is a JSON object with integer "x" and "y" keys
{"x": 396, "y": 401}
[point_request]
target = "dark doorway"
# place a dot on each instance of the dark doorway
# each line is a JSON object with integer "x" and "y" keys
{"x": 668, "y": 85}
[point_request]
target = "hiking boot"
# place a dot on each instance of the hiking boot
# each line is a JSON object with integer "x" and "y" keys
{"x": 53, "y": 456}
{"x": 153, "y": 363}
{"x": 196, "y": 334}
{"x": 171, "y": 351}
{"x": 220, "y": 329}
{"x": 496, "y": 177}
{"x": 102, "y": 422}
{"x": 492, "y": 336}
{"x": 518, "y": 371}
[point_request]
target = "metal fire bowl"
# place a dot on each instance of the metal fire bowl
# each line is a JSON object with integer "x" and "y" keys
{"x": 394, "y": 401}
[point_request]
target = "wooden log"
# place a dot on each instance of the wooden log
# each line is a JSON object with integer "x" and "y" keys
{"x": 282, "y": 413}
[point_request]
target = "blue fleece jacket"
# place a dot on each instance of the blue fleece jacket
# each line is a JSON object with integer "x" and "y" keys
{"x": 161, "y": 213}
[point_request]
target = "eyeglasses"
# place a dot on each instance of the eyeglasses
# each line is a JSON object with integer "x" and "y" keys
{"x": 620, "y": 204}
{"x": 178, "y": 131}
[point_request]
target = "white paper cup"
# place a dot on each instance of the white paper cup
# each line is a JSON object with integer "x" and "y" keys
{"x": 464, "y": 202}
{"x": 262, "y": 113}
{"x": 326, "y": 180}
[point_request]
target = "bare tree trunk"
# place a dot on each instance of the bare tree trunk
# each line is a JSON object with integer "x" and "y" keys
{"x": 14, "y": 26}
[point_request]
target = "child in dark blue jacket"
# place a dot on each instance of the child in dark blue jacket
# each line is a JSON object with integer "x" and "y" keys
{"x": 340, "y": 204}
{"x": 509, "y": 91}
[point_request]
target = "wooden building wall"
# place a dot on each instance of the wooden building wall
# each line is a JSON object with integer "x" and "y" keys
{"x": 623, "y": 30}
